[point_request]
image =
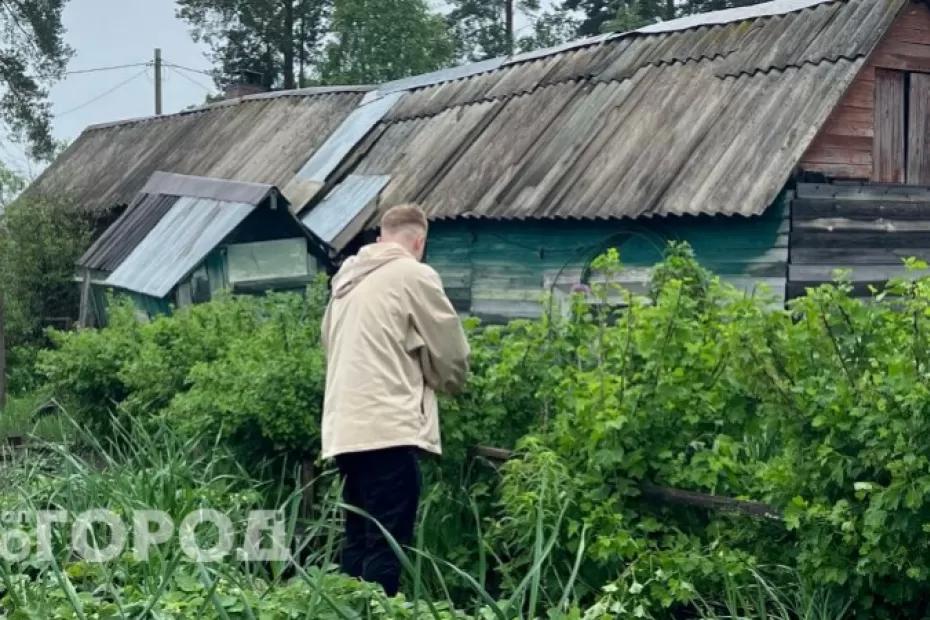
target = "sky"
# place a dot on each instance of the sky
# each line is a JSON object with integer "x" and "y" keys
{"x": 105, "y": 33}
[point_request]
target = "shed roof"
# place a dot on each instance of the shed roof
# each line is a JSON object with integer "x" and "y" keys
{"x": 261, "y": 138}
{"x": 705, "y": 115}
{"x": 158, "y": 196}
{"x": 170, "y": 228}
{"x": 177, "y": 243}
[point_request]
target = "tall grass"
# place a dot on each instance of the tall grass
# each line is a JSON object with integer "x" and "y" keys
{"x": 149, "y": 466}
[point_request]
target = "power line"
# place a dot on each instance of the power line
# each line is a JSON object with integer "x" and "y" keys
{"x": 101, "y": 95}
{"x": 95, "y": 70}
{"x": 110, "y": 68}
{"x": 176, "y": 66}
{"x": 192, "y": 80}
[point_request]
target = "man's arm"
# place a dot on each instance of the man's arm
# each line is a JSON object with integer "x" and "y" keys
{"x": 443, "y": 347}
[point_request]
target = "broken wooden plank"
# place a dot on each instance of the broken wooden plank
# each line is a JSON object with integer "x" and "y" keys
{"x": 712, "y": 502}
{"x": 666, "y": 495}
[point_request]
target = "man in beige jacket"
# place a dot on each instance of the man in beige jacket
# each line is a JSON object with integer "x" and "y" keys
{"x": 392, "y": 339}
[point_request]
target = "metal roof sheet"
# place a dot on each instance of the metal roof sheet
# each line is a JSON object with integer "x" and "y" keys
{"x": 352, "y": 130}
{"x": 357, "y": 193}
{"x": 117, "y": 241}
{"x": 180, "y": 241}
{"x": 167, "y": 183}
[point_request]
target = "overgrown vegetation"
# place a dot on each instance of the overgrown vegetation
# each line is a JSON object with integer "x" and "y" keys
{"x": 38, "y": 249}
{"x": 818, "y": 410}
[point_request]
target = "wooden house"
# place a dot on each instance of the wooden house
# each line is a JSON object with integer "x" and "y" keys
{"x": 783, "y": 141}
{"x": 764, "y": 136}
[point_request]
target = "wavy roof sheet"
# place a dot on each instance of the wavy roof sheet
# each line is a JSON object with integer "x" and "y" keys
{"x": 707, "y": 115}
{"x": 262, "y": 138}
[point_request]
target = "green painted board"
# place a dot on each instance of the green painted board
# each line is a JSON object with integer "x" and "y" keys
{"x": 506, "y": 263}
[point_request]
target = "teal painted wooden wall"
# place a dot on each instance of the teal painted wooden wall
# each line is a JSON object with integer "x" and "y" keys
{"x": 501, "y": 270}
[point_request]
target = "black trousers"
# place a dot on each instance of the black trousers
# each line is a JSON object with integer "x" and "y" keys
{"x": 386, "y": 485}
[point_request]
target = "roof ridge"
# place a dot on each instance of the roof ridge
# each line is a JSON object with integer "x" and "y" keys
{"x": 763, "y": 11}
{"x": 226, "y": 103}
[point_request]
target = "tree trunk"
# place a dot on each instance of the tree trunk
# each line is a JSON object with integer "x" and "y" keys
{"x": 302, "y": 50}
{"x": 287, "y": 44}
{"x": 2, "y": 354}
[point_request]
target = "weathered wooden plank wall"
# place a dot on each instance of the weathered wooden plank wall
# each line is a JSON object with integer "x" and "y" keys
{"x": 502, "y": 270}
{"x": 918, "y": 159}
{"x": 890, "y": 141}
{"x": 844, "y": 147}
{"x": 867, "y": 230}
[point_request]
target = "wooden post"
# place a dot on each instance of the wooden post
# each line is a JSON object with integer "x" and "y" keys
{"x": 2, "y": 353}
{"x": 84, "y": 312}
{"x": 307, "y": 474}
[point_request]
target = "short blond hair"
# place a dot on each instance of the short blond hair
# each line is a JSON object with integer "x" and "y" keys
{"x": 404, "y": 216}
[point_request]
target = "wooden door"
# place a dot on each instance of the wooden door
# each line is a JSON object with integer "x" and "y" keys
{"x": 890, "y": 146}
{"x": 918, "y": 130}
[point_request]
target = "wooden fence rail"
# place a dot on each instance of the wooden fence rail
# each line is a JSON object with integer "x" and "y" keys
{"x": 667, "y": 495}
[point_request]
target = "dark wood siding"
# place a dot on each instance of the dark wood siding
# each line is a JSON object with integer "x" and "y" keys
{"x": 844, "y": 147}
{"x": 866, "y": 229}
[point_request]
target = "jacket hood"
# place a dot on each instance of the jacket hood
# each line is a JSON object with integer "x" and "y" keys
{"x": 368, "y": 260}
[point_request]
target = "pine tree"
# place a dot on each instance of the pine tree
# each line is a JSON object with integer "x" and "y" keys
{"x": 380, "y": 40}
{"x": 33, "y": 56}
{"x": 279, "y": 40}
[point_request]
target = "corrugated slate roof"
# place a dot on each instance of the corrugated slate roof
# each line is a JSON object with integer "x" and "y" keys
{"x": 701, "y": 116}
{"x": 263, "y": 139}
{"x": 179, "y": 242}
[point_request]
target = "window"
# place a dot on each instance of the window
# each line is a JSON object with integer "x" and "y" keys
{"x": 902, "y": 127}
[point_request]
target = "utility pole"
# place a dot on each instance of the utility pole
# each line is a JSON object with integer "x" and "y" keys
{"x": 508, "y": 18}
{"x": 157, "y": 81}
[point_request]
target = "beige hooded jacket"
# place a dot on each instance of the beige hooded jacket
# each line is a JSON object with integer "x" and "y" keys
{"x": 391, "y": 338}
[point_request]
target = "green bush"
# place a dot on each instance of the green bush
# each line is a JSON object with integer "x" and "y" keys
{"x": 40, "y": 241}
{"x": 819, "y": 410}
{"x": 248, "y": 368}
{"x": 264, "y": 394}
